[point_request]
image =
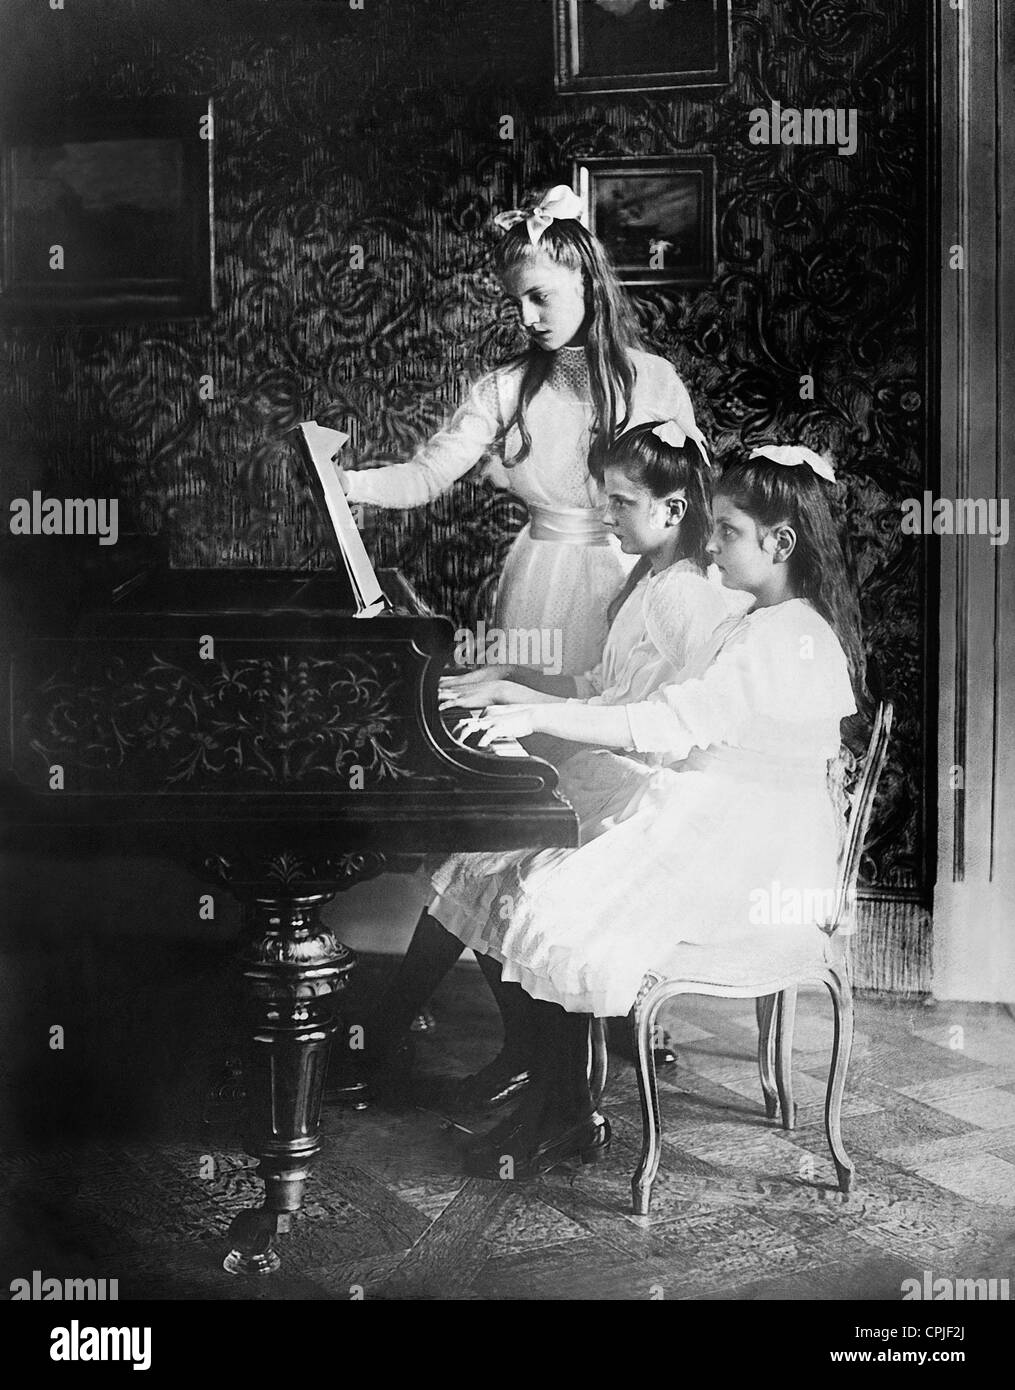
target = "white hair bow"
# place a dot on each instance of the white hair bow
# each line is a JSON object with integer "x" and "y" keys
{"x": 671, "y": 433}
{"x": 794, "y": 456}
{"x": 676, "y": 435}
{"x": 558, "y": 202}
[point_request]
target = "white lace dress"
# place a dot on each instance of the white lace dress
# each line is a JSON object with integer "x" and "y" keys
{"x": 734, "y": 815}
{"x": 563, "y": 567}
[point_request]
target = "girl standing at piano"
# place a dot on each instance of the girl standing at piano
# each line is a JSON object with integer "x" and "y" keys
{"x": 542, "y": 416}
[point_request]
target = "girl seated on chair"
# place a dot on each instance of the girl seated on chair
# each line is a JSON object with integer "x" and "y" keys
{"x": 657, "y": 483}
{"x": 738, "y": 802}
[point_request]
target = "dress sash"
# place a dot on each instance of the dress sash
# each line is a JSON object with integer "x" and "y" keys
{"x": 572, "y": 526}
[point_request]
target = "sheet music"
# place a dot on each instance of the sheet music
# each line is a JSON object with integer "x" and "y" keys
{"x": 319, "y": 445}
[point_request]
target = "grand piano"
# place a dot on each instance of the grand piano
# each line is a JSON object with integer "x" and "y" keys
{"x": 245, "y": 723}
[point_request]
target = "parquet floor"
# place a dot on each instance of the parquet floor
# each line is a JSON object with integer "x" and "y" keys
{"x": 128, "y": 1183}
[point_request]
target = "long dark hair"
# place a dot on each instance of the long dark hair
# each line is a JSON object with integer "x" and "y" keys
{"x": 663, "y": 468}
{"x": 772, "y": 493}
{"x": 612, "y": 328}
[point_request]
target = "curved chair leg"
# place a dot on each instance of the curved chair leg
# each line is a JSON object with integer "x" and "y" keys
{"x": 764, "y": 1007}
{"x": 648, "y": 1094}
{"x": 599, "y": 1061}
{"x": 785, "y": 1016}
{"x": 842, "y": 1046}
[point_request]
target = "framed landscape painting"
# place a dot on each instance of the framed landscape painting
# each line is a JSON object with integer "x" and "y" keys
{"x": 108, "y": 214}
{"x": 641, "y": 45}
{"x": 655, "y": 215}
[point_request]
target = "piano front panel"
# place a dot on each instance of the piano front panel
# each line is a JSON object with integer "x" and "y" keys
{"x": 226, "y": 695}
{"x": 259, "y": 716}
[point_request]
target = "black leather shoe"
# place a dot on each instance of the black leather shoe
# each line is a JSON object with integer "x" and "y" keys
{"x": 589, "y": 1141}
{"x": 492, "y": 1086}
{"x": 504, "y": 1138}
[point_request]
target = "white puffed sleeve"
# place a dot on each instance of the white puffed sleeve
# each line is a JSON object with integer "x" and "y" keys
{"x": 777, "y": 670}
{"x": 442, "y": 460}
{"x": 659, "y": 393}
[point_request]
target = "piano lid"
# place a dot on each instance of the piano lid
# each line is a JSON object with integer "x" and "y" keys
{"x": 252, "y": 590}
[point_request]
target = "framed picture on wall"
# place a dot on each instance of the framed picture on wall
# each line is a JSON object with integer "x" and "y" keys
{"x": 108, "y": 214}
{"x": 641, "y": 45}
{"x": 655, "y": 215}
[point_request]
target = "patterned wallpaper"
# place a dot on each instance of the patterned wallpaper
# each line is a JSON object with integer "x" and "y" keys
{"x": 380, "y": 128}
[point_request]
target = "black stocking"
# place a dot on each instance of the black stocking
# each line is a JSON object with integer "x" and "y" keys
{"x": 569, "y": 1099}
{"x": 431, "y": 954}
{"x": 516, "y": 1014}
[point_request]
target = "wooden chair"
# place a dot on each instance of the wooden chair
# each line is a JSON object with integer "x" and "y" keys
{"x": 777, "y": 961}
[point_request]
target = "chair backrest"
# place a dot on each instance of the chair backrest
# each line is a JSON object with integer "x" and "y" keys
{"x": 862, "y": 804}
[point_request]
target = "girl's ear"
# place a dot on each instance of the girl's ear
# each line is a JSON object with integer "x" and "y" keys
{"x": 784, "y": 538}
{"x": 676, "y": 508}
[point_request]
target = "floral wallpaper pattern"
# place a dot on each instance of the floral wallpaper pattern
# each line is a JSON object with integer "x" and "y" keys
{"x": 380, "y": 129}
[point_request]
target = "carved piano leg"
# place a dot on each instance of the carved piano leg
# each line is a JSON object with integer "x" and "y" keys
{"x": 294, "y": 969}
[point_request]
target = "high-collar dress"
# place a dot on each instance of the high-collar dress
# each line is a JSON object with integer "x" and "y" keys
{"x": 564, "y": 567}
{"x": 721, "y": 821}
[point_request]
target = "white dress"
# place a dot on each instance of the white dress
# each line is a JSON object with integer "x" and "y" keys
{"x": 664, "y": 622}
{"x": 736, "y": 807}
{"x": 563, "y": 567}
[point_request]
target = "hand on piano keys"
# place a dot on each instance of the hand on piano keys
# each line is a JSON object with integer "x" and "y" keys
{"x": 477, "y": 690}
{"x": 465, "y": 726}
{"x": 495, "y": 729}
{"x": 463, "y": 679}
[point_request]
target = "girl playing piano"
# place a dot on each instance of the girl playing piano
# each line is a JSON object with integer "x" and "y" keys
{"x": 547, "y": 413}
{"x": 657, "y": 483}
{"x": 739, "y": 802}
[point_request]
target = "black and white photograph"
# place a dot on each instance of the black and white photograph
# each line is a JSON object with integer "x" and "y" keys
{"x": 507, "y": 671}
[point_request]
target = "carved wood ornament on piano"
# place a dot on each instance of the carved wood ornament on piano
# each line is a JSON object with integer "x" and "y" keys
{"x": 278, "y": 732}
